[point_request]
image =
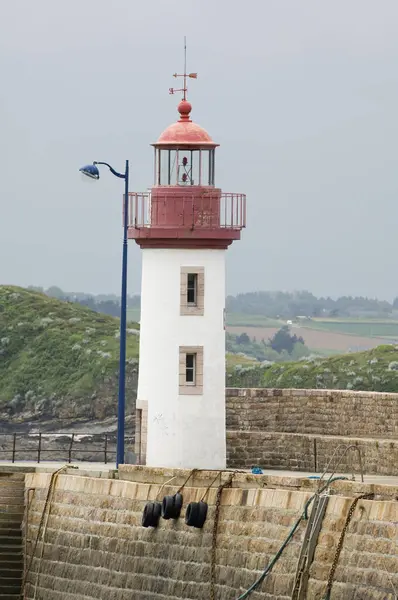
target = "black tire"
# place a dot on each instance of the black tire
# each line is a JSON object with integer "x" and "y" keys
{"x": 168, "y": 507}
{"x": 191, "y": 514}
{"x": 196, "y": 514}
{"x": 157, "y": 511}
{"x": 147, "y": 515}
{"x": 202, "y": 514}
{"x": 178, "y": 500}
{"x": 171, "y": 506}
{"x": 151, "y": 514}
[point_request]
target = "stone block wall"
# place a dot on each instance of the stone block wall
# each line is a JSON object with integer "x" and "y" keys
{"x": 309, "y": 453}
{"x": 317, "y": 412}
{"x": 300, "y": 429}
{"x": 95, "y": 547}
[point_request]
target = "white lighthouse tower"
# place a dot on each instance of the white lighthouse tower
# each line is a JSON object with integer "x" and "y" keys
{"x": 184, "y": 226}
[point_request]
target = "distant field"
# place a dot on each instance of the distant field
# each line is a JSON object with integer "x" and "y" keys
{"x": 133, "y": 314}
{"x": 369, "y": 328}
{"x": 366, "y": 328}
{"x": 328, "y": 335}
{"x": 252, "y": 320}
{"x": 316, "y": 339}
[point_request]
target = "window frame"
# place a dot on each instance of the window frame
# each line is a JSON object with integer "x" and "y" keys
{"x": 192, "y": 288}
{"x": 190, "y": 368}
{"x": 197, "y": 307}
{"x": 195, "y": 387}
{"x": 167, "y": 167}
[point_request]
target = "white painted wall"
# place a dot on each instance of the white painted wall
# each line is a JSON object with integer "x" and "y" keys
{"x": 183, "y": 431}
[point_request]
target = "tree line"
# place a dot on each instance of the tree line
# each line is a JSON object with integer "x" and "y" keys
{"x": 108, "y": 304}
{"x": 289, "y": 305}
{"x": 281, "y": 347}
{"x": 278, "y": 305}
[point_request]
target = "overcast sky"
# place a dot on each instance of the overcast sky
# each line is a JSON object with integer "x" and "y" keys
{"x": 302, "y": 95}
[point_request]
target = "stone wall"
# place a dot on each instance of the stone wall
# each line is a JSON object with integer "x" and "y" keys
{"x": 318, "y": 412}
{"x": 95, "y": 547}
{"x": 301, "y": 429}
{"x": 309, "y": 453}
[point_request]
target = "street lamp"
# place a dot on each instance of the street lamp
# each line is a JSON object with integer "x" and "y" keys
{"x": 93, "y": 172}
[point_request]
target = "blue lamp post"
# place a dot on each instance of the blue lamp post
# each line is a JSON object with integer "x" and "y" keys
{"x": 93, "y": 172}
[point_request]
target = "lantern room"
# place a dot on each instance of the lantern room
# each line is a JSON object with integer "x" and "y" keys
{"x": 185, "y": 153}
{"x": 184, "y": 209}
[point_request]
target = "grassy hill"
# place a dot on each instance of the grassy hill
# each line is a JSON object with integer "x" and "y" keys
{"x": 59, "y": 360}
{"x": 375, "y": 370}
{"x": 59, "y": 364}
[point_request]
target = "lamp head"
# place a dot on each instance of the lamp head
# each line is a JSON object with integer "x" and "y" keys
{"x": 91, "y": 171}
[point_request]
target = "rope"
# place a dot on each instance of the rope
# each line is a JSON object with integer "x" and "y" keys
{"x": 47, "y": 503}
{"x": 192, "y": 473}
{"x": 174, "y": 477}
{"x": 214, "y": 480}
{"x": 303, "y": 516}
{"x": 162, "y": 486}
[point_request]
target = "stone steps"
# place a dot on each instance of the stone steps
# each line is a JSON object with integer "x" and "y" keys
{"x": 12, "y": 490}
{"x": 12, "y": 568}
{"x": 11, "y": 495}
{"x": 10, "y": 586}
{"x": 10, "y": 530}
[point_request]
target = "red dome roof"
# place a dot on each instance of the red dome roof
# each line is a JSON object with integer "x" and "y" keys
{"x": 184, "y": 132}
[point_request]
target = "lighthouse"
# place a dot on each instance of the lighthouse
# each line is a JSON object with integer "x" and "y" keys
{"x": 183, "y": 226}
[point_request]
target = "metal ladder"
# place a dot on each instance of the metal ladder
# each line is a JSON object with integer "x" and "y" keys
{"x": 308, "y": 548}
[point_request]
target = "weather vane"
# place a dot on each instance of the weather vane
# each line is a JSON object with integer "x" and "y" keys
{"x": 184, "y": 75}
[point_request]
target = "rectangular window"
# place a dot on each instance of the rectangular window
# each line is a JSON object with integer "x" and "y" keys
{"x": 192, "y": 291}
{"x": 192, "y": 288}
{"x": 191, "y": 370}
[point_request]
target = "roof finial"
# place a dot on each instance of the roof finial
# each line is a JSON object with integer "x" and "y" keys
{"x": 184, "y": 75}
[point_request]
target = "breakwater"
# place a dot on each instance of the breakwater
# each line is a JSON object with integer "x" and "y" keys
{"x": 94, "y": 545}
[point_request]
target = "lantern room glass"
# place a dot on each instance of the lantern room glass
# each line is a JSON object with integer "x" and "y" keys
{"x": 184, "y": 167}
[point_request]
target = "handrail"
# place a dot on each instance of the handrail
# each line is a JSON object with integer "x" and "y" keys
{"x": 340, "y": 458}
{"x": 37, "y": 446}
{"x": 225, "y": 210}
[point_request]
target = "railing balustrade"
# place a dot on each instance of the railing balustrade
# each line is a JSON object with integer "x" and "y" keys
{"x": 68, "y": 447}
{"x": 211, "y": 210}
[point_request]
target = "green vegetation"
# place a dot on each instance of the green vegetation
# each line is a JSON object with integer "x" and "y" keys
{"x": 361, "y": 327}
{"x": 375, "y": 370}
{"x": 236, "y": 320}
{"x": 59, "y": 361}
{"x": 109, "y": 304}
{"x": 387, "y": 327}
{"x": 241, "y": 359}
{"x": 59, "y": 356}
{"x": 281, "y": 347}
{"x": 133, "y": 314}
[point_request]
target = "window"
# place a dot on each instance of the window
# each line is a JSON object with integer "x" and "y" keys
{"x": 179, "y": 166}
{"x": 191, "y": 370}
{"x": 192, "y": 291}
{"x": 192, "y": 288}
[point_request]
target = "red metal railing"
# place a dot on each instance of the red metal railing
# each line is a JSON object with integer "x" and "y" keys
{"x": 226, "y": 210}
